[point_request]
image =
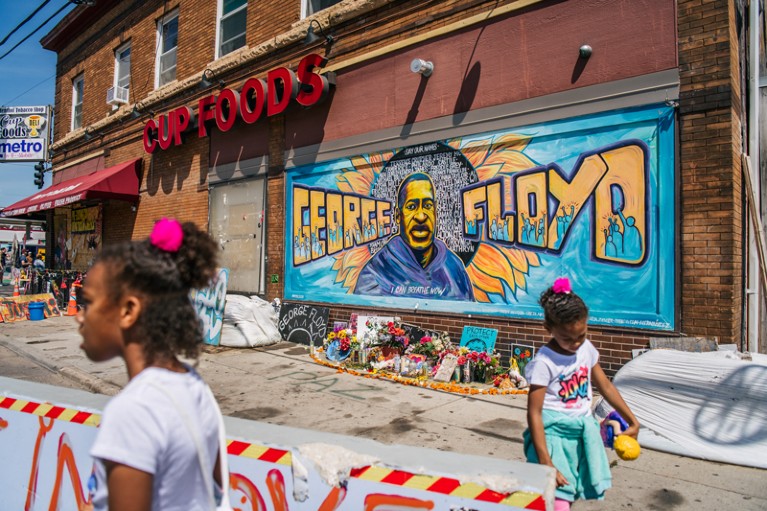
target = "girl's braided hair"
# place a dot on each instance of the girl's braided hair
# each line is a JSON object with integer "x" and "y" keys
{"x": 560, "y": 306}
{"x": 168, "y": 324}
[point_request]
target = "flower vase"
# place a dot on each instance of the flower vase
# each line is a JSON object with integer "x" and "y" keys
{"x": 479, "y": 374}
{"x": 467, "y": 372}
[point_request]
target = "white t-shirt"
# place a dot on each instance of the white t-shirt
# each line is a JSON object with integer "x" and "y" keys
{"x": 567, "y": 378}
{"x": 143, "y": 429}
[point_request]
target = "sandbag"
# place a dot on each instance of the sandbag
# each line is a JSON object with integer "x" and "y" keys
{"x": 254, "y": 318}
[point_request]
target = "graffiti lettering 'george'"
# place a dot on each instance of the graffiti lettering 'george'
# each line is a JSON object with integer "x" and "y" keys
{"x": 326, "y": 222}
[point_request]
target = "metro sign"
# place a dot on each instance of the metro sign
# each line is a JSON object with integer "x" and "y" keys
{"x": 256, "y": 98}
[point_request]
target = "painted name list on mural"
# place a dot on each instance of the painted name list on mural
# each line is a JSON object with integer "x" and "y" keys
{"x": 492, "y": 219}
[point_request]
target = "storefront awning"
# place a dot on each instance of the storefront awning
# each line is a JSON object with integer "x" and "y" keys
{"x": 119, "y": 182}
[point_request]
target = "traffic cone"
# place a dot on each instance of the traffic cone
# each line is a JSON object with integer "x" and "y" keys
{"x": 16, "y": 288}
{"x": 72, "y": 306}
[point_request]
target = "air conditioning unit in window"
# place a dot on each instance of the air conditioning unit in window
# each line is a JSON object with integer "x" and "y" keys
{"x": 117, "y": 96}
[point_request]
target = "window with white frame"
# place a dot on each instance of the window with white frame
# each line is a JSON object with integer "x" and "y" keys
{"x": 309, "y": 7}
{"x": 232, "y": 16}
{"x": 122, "y": 66}
{"x": 167, "y": 46}
{"x": 78, "y": 86}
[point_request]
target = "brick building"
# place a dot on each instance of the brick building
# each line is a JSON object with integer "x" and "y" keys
{"x": 598, "y": 140}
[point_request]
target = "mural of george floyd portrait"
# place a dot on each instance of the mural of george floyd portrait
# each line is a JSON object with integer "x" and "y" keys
{"x": 481, "y": 224}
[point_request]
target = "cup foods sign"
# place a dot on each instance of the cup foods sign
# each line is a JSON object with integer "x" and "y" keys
{"x": 256, "y": 99}
{"x": 24, "y": 133}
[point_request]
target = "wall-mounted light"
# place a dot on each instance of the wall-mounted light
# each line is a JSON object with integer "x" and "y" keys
{"x": 206, "y": 84}
{"x": 585, "y": 51}
{"x": 311, "y": 37}
{"x": 422, "y": 67}
{"x": 90, "y": 135}
{"x": 135, "y": 113}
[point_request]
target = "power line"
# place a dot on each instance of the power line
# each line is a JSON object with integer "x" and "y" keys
{"x": 29, "y": 89}
{"x": 35, "y": 30}
{"x": 39, "y": 8}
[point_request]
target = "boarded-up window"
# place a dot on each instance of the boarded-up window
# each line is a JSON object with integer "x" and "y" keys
{"x": 237, "y": 223}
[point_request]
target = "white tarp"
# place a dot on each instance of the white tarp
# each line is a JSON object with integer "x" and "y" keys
{"x": 249, "y": 322}
{"x": 711, "y": 406}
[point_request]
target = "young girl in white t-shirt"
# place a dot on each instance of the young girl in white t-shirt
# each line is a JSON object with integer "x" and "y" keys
{"x": 137, "y": 307}
{"x": 562, "y": 432}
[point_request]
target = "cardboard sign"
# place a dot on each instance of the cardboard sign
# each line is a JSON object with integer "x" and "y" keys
{"x": 304, "y": 324}
{"x": 522, "y": 354}
{"x": 415, "y": 332}
{"x": 477, "y": 338}
{"x": 446, "y": 368}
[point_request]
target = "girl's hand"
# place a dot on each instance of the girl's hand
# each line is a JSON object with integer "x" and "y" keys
{"x": 632, "y": 431}
{"x": 561, "y": 480}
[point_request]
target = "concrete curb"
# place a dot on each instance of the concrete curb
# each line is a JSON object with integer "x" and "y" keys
{"x": 79, "y": 376}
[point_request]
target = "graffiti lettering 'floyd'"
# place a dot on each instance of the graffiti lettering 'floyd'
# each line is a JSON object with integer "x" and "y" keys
{"x": 490, "y": 220}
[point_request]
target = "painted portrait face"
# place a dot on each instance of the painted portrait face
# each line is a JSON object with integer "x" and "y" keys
{"x": 417, "y": 215}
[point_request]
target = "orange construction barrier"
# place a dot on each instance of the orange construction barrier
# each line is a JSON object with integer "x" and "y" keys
{"x": 72, "y": 306}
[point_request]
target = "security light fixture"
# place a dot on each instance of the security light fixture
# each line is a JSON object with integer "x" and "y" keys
{"x": 311, "y": 37}
{"x": 585, "y": 51}
{"x": 422, "y": 67}
{"x": 205, "y": 83}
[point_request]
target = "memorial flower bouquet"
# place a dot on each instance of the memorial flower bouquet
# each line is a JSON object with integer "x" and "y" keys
{"x": 389, "y": 335}
{"x": 432, "y": 346}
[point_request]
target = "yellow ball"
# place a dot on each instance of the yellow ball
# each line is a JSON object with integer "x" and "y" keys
{"x": 626, "y": 447}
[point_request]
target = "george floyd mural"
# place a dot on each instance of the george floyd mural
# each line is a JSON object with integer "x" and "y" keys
{"x": 482, "y": 224}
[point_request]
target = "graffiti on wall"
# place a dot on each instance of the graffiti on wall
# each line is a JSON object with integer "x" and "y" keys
{"x": 51, "y": 467}
{"x": 484, "y": 223}
{"x": 209, "y": 304}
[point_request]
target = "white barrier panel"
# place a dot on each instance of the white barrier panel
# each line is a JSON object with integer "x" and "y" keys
{"x": 46, "y": 433}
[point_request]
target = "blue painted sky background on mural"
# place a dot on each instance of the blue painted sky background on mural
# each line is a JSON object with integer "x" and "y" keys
{"x": 616, "y": 294}
{"x": 27, "y": 78}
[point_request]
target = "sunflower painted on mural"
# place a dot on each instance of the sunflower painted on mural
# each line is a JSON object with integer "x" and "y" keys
{"x": 433, "y": 247}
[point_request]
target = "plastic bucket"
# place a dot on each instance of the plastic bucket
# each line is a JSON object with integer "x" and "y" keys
{"x": 36, "y": 311}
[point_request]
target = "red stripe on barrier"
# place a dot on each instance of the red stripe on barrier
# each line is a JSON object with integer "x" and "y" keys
{"x": 538, "y": 504}
{"x": 272, "y": 455}
{"x": 7, "y": 402}
{"x": 397, "y": 477}
{"x": 54, "y": 412}
{"x": 236, "y": 447}
{"x": 30, "y": 407}
{"x": 80, "y": 417}
{"x": 444, "y": 485}
{"x": 356, "y": 472}
{"x": 490, "y": 496}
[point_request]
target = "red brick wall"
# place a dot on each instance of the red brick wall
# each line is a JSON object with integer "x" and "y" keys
{"x": 710, "y": 201}
{"x": 536, "y": 55}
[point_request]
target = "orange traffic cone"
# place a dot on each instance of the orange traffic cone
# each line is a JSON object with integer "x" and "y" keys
{"x": 16, "y": 288}
{"x": 72, "y": 306}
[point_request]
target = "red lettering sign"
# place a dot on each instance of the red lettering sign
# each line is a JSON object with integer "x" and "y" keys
{"x": 282, "y": 86}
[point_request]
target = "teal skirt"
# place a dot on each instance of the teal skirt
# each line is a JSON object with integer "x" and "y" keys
{"x": 576, "y": 449}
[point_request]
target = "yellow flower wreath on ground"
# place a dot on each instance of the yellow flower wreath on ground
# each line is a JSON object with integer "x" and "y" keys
{"x": 453, "y": 387}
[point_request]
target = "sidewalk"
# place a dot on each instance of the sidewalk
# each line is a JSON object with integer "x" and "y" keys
{"x": 281, "y": 385}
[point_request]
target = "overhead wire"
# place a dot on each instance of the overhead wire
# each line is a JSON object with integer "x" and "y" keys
{"x": 24, "y": 21}
{"x": 35, "y": 30}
